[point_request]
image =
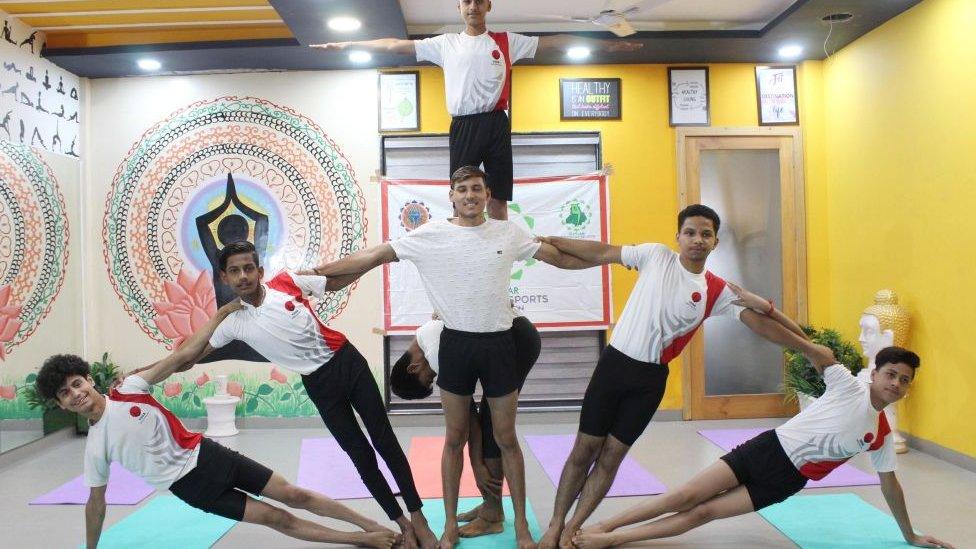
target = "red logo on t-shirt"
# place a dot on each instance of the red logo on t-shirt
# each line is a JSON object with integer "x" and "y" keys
{"x": 868, "y": 437}
{"x": 696, "y": 297}
{"x": 496, "y": 54}
{"x": 134, "y": 411}
{"x": 289, "y": 305}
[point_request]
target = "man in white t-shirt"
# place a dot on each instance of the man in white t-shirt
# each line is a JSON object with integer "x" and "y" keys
{"x": 477, "y": 67}
{"x": 465, "y": 264}
{"x": 673, "y": 295}
{"x": 847, "y": 420}
{"x": 132, "y": 428}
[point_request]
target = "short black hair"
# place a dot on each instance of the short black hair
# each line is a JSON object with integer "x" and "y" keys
{"x": 699, "y": 210}
{"x": 56, "y": 370}
{"x": 897, "y": 355}
{"x": 406, "y": 385}
{"x": 235, "y": 248}
{"x": 465, "y": 173}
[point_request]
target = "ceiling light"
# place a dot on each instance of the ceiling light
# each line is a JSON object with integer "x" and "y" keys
{"x": 344, "y": 24}
{"x": 360, "y": 57}
{"x": 149, "y": 64}
{"x": 578, "y": 53}
{"x": 791, "y": 51}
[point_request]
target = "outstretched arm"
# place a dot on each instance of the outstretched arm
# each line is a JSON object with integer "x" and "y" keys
{"x": 765, "y": 327}
{"x": 893, "y": 494}
{"x": 94, "y": 516}
{"x": 764, "y": 306}
{"x": 564, "y": 41}
{"x": 553, "y": 256}
{"x": 590, "y": 251}
{"x": 358, "y": 263}
{"x": 335, "y": 282}
{"x": 192, "y": 350}
{"x": 382, "y": 45}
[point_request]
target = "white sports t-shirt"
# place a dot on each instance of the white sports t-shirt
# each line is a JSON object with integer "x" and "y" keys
{"x": 143, "y": 436}
{"x": 667, "y": 305}
{"x": 836, "y": 427}
{"x": 284, "y": 328}
{"x": 467, "y": 270}
{"x": 477, "y": 69}
{"x": 429, "y": 341}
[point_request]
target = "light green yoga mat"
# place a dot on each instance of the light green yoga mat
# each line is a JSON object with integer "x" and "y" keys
{"x": 834, "y": 521}
{"x": 434, "y": 511}
{"x": 166, "y": 522}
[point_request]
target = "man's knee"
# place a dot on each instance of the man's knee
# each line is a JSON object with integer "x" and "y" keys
{"x": 506, "y": 439}
{"x": 585, "y": 451}
{"x": 702, "y": 513}
{"x": 455, "y": 438}
{"x": 611, "y": 454}
{"x": 296, "y": 497}
{"x": 276, "y": 518}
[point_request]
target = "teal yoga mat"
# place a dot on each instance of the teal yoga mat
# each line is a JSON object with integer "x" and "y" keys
{"x": 165, "y": 522}
{"x": 834, "y": 521}
{"x": 434, "y": 511}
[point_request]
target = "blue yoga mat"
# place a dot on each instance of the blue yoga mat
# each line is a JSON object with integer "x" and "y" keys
{"x": 166, "y": 522}
{"x": 834, "y": 521}
{"x": 434, "y": 511}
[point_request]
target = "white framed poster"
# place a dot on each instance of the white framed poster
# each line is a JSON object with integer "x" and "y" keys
{"x": 689, "y": 96}
{"x": 776, "y": 95}
{"x": 399, "y": 97}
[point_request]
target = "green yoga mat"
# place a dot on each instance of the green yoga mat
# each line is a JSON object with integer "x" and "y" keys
{"x": 165, "y": 522}
{"x": 834, "y": 521}
{"x": 434, "y": 511}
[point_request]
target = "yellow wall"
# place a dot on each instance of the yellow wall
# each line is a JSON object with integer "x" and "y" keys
{"x": 641, "y": 147}
{"x": 901, "y": 190}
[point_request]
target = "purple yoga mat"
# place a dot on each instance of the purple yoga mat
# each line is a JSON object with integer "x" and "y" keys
{"x": 845, "y": 475}
{"x": 124, "y": 488}
{"x": 552, "y": 451}
{"x": 324, "y": 467}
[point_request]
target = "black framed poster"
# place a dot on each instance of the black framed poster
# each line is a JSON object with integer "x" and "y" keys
{"x": 589, "y": 99}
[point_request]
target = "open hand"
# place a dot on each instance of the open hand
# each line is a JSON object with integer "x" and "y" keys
{"x": 748, "y": 299}
{"x": 231, "y": 306}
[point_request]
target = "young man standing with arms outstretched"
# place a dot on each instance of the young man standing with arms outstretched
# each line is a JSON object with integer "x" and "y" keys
{"x": 465, "y": 264}
{"x": 477, "y": 68}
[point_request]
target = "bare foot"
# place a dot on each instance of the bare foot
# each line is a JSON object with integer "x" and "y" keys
{"x": 376, "y": 527}
{"x": 551, "y": 538}
{"x": 524, "y": 539}
{"x": 592, "y": 541}
{"x": 566, "y": 539}
{"x": 408, "y": 540}
{"x": 468, "y": 516}
{"x": 480, "y": 527}
{"x": 598, "y": 528}
{"x": 378, "y": 540}
{"x": 450, "y": 537}
{"x": 425, "y": 537}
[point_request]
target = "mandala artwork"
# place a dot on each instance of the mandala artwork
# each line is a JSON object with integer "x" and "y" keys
{"x": 33, "y": 243}
{"x": 213, "y": 173}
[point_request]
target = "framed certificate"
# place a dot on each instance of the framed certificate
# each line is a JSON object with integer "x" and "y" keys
{"x": 399, "y": 97}
{"x": 776, "y": 95}
{"x": 689, "y": 96}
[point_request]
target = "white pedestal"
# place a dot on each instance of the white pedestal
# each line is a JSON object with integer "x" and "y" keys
{"x": 220, "y": 415}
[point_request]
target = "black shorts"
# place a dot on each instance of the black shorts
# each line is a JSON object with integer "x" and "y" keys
{"x": 622, "y": 396}
{"x": 218, "y": 482}
{"x": 467, "y": 357}
{"x": 484, "y": 138}
{"x": 762, "y": 466}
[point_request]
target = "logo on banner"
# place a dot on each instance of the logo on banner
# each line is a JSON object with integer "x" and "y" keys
{"x": 414, "y": 214}
{"x": 575, "y": 216}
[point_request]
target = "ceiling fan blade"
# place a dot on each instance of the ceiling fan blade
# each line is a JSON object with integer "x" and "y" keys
{"x": 621, "y": 27}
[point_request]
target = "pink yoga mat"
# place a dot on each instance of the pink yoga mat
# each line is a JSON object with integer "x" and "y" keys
{"x": 845, "y": 475}
{"x": 324, "y": 467}
{"x": 124, "y": 488}
{"x": 632, "y": 479}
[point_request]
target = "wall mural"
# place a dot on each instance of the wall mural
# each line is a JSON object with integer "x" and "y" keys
{"x": 33, "y": 258}
{"x": 210, "y": 174}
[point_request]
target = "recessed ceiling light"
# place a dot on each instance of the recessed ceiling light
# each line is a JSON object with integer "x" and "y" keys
{"x": 360, "y": 56}
{"x": 578, "y": 53}
{"x": 344, "y": 24}
{"x": 791, "y": 51}
{"x": 149, "y": 64}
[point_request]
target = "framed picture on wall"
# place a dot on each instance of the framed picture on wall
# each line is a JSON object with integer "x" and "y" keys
{"x": 689, "y": 96}
{"x": 399, "y": 98}
{"x": 776, "y": 95}
{"x": 589, "y": 99}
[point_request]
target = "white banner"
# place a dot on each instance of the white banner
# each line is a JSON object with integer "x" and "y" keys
{"x": 552, "y": 298}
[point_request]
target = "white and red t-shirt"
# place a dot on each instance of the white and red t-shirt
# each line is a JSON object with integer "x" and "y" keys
{"x": 140, "y": 434}
{"x": 284, "y": 328}
{"x": 836, "y": 427}
{"x": 667, "y": 305}
{"x": 477, "y": 69}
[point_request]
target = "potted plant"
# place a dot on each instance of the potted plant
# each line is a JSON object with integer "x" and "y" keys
{"x": 103, "y": 373}
{"x": 801, "y": 382}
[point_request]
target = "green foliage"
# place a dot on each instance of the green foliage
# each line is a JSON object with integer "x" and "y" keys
{"x": 801, "y": 377}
